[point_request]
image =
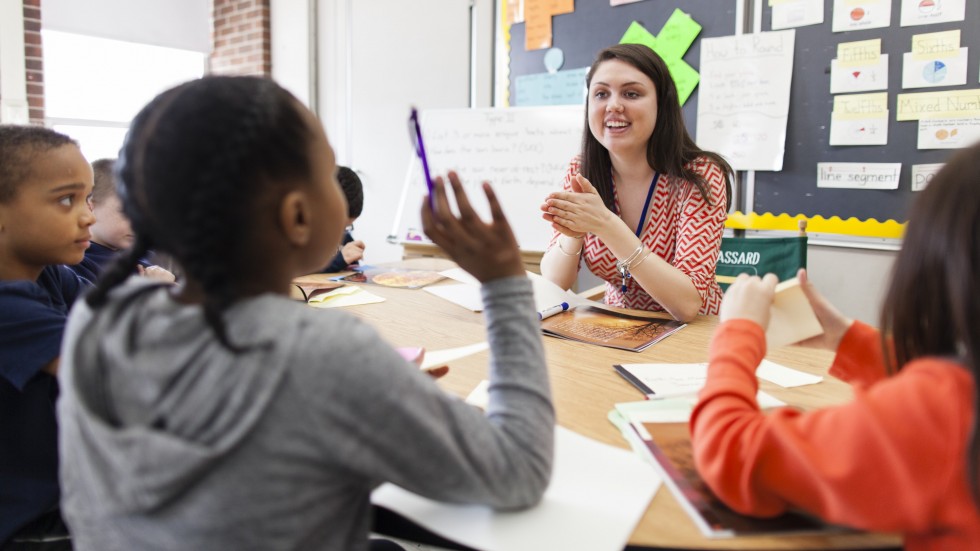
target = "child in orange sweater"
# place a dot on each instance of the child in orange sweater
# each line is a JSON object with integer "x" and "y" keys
{"x": 902, "y": 456}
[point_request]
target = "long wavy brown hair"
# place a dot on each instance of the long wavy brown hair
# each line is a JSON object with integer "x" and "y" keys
{"x": 933, "y": 305}
{"x": 670, "y": 149}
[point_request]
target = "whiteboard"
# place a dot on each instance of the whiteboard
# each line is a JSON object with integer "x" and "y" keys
{"x": 522, "y": 151}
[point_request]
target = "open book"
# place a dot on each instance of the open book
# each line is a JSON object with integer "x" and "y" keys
{"x": 658, "y": 430}
{"x": 669, "y": 444}
{"x": 613, "y": 328}
{"x": 567, "y": 315}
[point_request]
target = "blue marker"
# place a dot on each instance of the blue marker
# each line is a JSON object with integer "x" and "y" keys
{"x": 557, "y": 309}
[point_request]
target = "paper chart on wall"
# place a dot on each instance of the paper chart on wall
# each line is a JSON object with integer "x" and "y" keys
{"x": 860, "y": 119}
{"x": 744, "y": 100}
{"x": 945, "y": 70}
{"x": 857, "y": 15}
{"x": 922, "y": 174}
{"x": 927, "y": 12}
{"x": 861, "y": 78}
{"x": 787, "y": 14}
{"x": 948, "y": 133}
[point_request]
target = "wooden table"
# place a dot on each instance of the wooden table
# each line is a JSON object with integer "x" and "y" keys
{"x": 585, "y": 388}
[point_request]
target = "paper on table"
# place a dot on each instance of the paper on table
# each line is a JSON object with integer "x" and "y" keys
{"x": 462, "y": 294}
{"x": 480, "y": 396}
{"x": 349, "y": 295}
{"x": 467, "y": 295}
{"x": 442, "y": 357}
{"x": 597, "y": 495}
{"x": 677, "y": 409}
{"x": 460, "y": 275}
{"x": 683, "y": 381}
{"x": 791, "y": 317}
{"x": 784, "y": 376}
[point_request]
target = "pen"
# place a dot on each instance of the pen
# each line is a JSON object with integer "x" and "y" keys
{"x": 415, "y": 132}
{"x": 556, "y": 309}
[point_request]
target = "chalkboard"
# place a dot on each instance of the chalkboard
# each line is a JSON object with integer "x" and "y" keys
{"x": 794, "y": 189}
{"x": 522, "y": 151}
{"x": 595, "y": 25}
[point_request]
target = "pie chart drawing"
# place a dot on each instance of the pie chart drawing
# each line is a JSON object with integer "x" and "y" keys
{"x": 857, "y": 14}
{"x": 934, "y": 72}
{"x": 927, "y": 6}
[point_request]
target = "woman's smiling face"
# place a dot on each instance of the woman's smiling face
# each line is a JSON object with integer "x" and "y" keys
{"x": 622, "y": 107}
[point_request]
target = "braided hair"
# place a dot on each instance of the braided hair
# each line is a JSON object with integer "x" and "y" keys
{"x": 196, "y": 166}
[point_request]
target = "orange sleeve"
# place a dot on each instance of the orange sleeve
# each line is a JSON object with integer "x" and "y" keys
{"x": 859, "y": 358}
{"x": 881, "y": 462}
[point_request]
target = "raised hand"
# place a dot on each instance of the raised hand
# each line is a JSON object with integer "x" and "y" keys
{"x": 577, "y": 212}
{"x": 488, "y": 251}
{"x": 750, "y": 297}
{"x": 834, "y": 323}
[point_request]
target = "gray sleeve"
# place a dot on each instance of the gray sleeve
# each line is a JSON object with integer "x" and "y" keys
{"x": 380, "y": 418}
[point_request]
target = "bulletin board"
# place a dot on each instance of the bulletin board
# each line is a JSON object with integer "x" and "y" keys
{"x": 595, "y": 25}
{"x": 862, "y": 212}
{"x": 779, "y": 197}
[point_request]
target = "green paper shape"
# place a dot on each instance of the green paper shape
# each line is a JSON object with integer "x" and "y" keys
{"x": 637, "y": 34}
{"x": 677, "y": 35}
{"x": 685, "y": 78}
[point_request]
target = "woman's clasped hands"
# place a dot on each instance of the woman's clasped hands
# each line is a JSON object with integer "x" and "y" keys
{"x": 577, "y": 212}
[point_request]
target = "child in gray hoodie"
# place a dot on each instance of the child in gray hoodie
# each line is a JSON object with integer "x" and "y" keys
{"x": 220, "y": 414}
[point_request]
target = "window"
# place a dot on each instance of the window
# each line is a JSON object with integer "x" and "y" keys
{"x": 95, "y": 86}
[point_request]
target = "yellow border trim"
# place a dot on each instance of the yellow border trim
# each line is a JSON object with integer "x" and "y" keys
{"x": 816, "y": 224}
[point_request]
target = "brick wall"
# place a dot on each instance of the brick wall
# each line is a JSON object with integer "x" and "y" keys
{"x": 32, "y": 60}
{"x": 240, "y": 37}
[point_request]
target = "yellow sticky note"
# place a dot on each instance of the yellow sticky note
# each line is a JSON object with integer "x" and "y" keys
{"x": 954, "y": 104}
{"x": 853, "y": 54}
{"x": 860, "y": 106}
{"x": 934, "y": 45}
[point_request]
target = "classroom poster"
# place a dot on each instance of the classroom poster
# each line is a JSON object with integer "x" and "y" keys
{"x": 935, "y": 59}
{"x": 859, "y": 67}
{"x": 787, "y": 14}
{"x": 951, "y": 104}
{"x": 860, "y": 78}
{"x": 938, "y": 71}
{"x": 858, "y": 175}
{"x": 560, "y": 88}
{"x": 948, "y": 133}
{"x": 860, "y": 119}
{"x": 927, "y": 12}
{"x": 922, "y": 175}
{"x": 858, "y": 15}
{"x": 744, "y": 100}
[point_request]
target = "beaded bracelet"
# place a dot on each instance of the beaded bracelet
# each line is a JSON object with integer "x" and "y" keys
{"x": 623, "y": 266}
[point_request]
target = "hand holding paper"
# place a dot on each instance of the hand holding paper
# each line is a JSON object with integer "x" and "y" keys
{"x": 834, "y": 323}
{"x": 784, "y": 311}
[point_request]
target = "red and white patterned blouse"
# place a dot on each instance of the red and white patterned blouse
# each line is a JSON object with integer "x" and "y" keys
{"x": 680, "y": 227}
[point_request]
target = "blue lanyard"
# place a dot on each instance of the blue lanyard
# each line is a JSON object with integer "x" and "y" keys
{"x": 639, "y": 229}
{"x": 646, "y": 204}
